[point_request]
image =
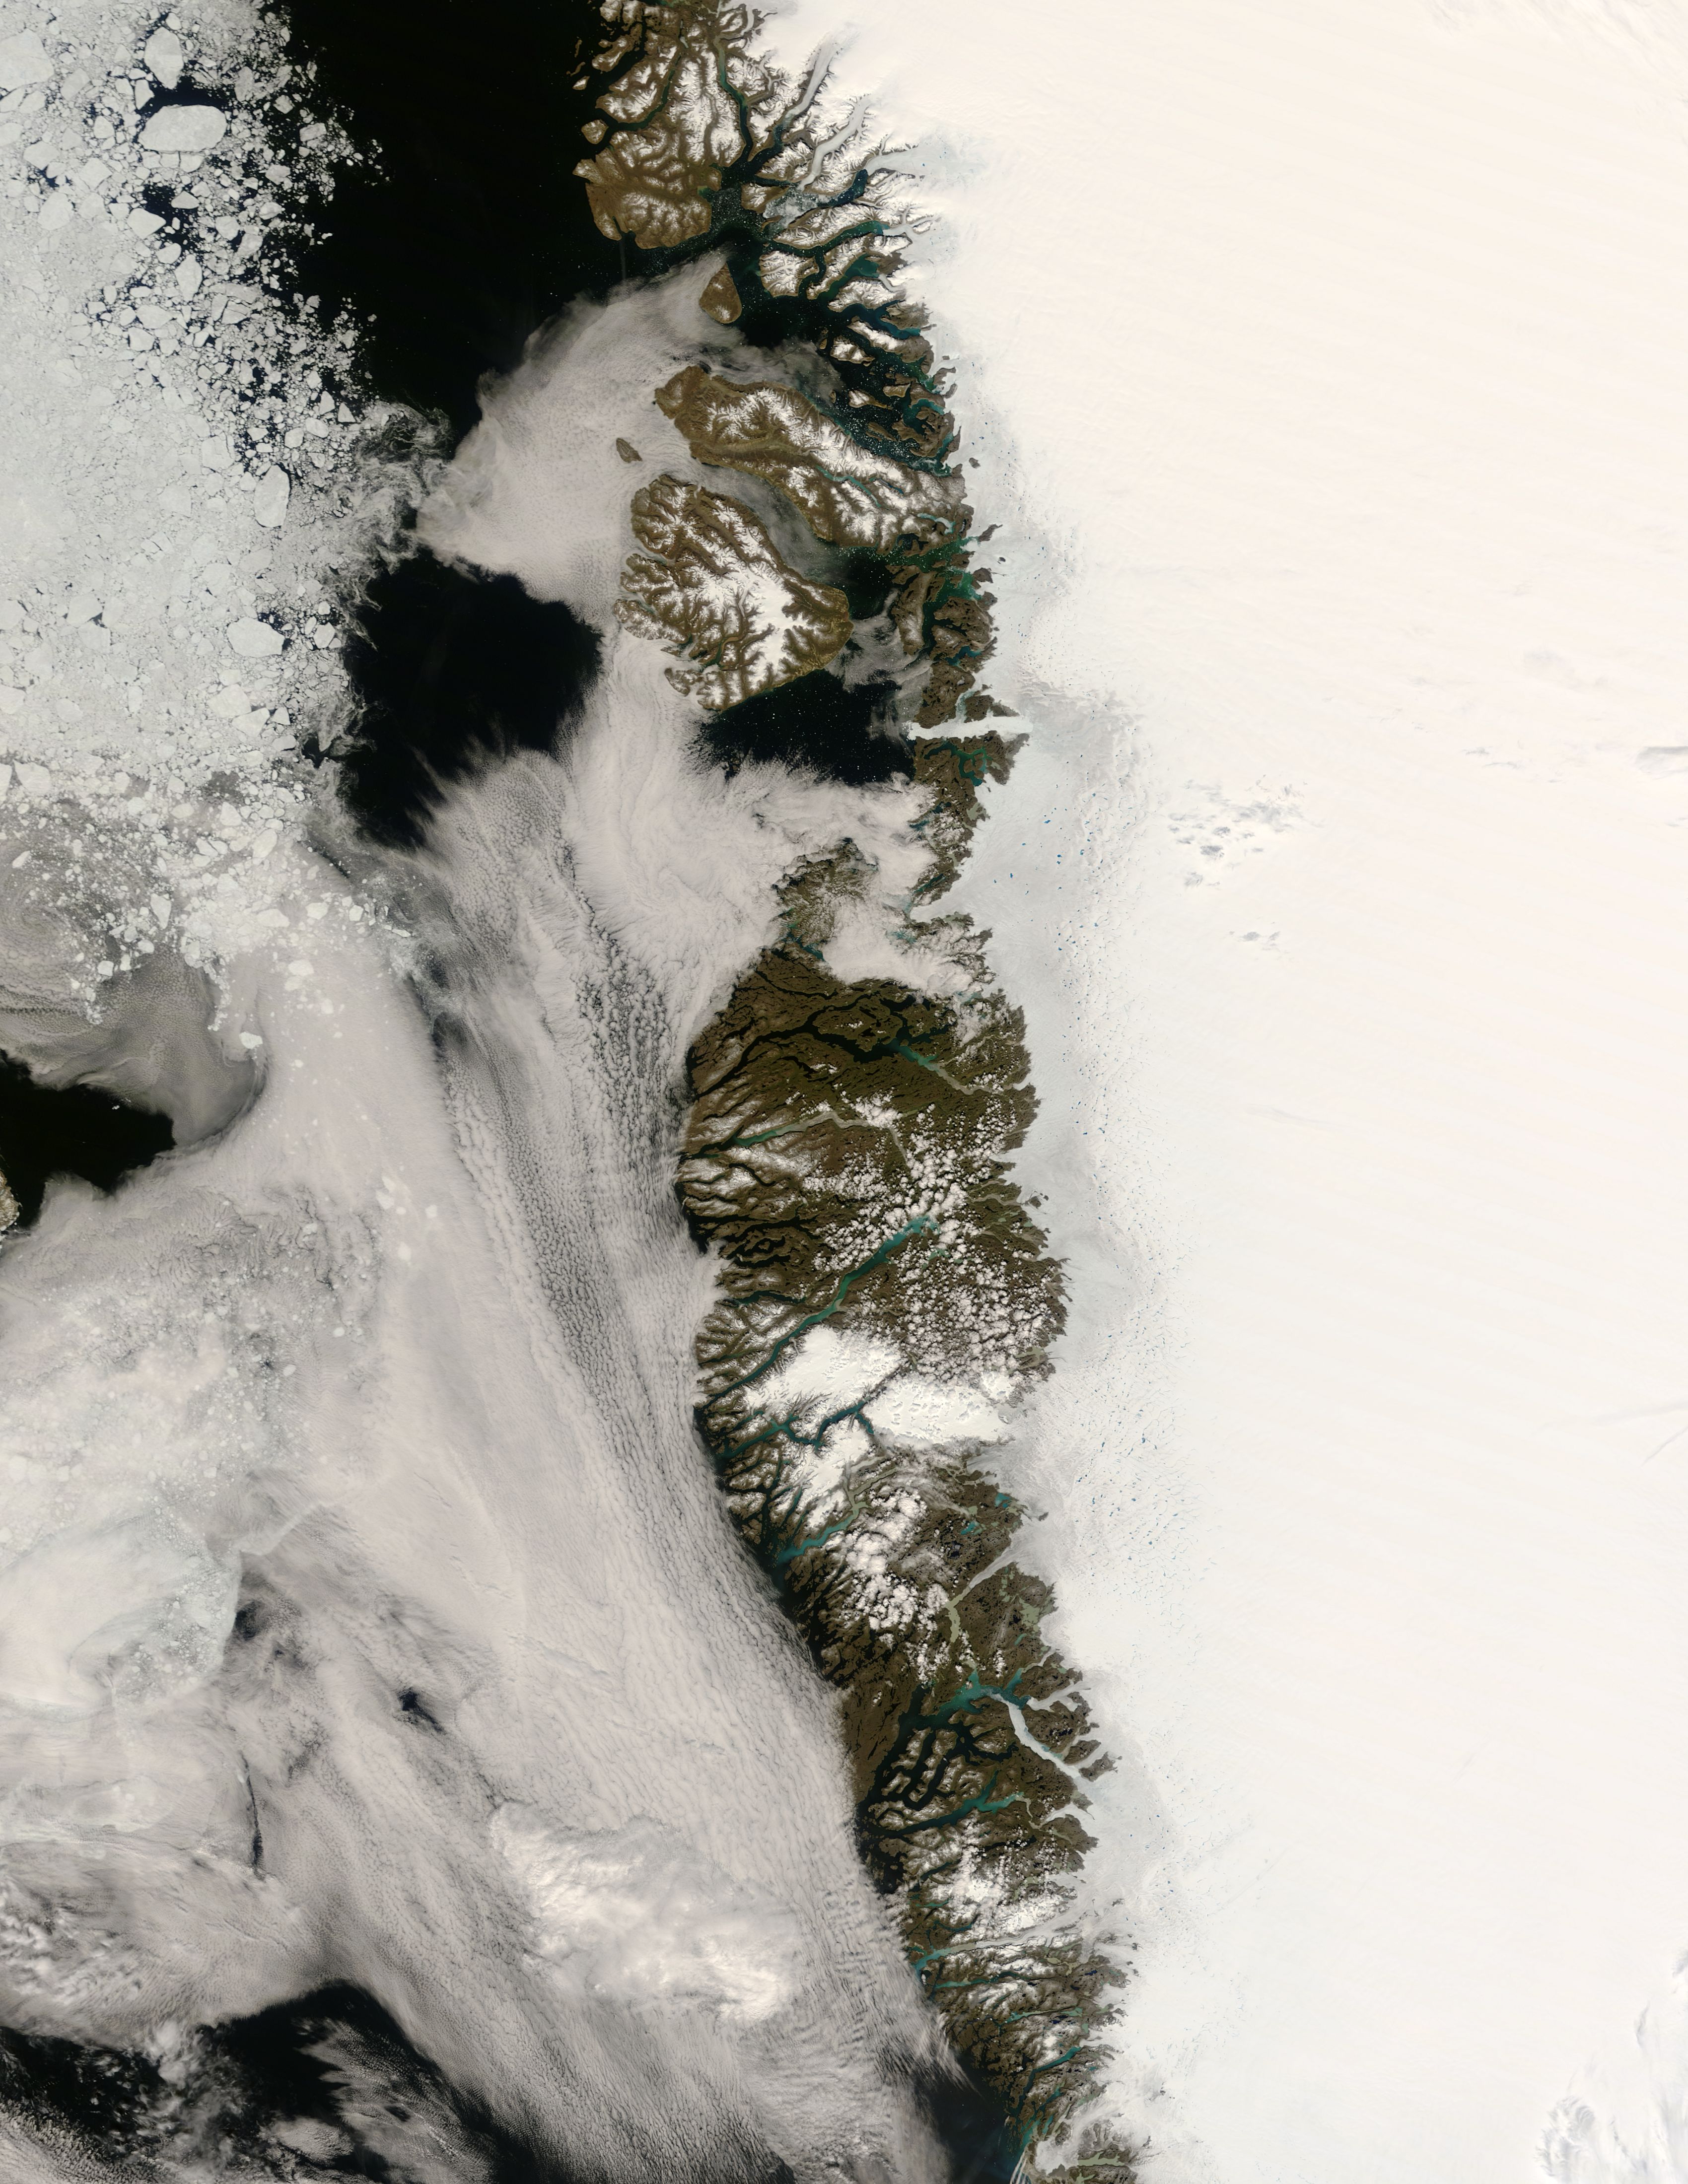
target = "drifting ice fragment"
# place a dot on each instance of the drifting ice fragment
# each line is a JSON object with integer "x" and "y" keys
{"x": 188, "y": 275}
{"x": 253, "y": 639}
{"x": 145, "y": 223}
{"x": 216, "y": 454}
{"x": 162, "y": 53}
{"x": 23, "y": 59}
{"x": 35, "y": 780}
{"x": 183, "y": 129}
{"x": 270, "y": 501}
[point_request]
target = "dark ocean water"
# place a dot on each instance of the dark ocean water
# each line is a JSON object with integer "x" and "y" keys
{"x": 465, "y": 234}
{"x": 75, "y": 1130}
{"x": 449, "y": 667}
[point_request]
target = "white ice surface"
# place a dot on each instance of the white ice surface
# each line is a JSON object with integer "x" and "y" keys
{"x": 1324, "y": 365}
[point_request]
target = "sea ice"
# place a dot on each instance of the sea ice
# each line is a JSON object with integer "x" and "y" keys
{"x": 184, "y": 129}
{"x": 23, "y": 60}
{"x": 163, "y": 54}
{"x": 253, "y": 639}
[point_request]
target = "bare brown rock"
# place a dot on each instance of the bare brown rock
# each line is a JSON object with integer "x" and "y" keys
{"x": 689, "y": 98}
{"x": 847, "y": 495}
{"x": 711, "y": 586}
{"x": 721, "y": 299}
